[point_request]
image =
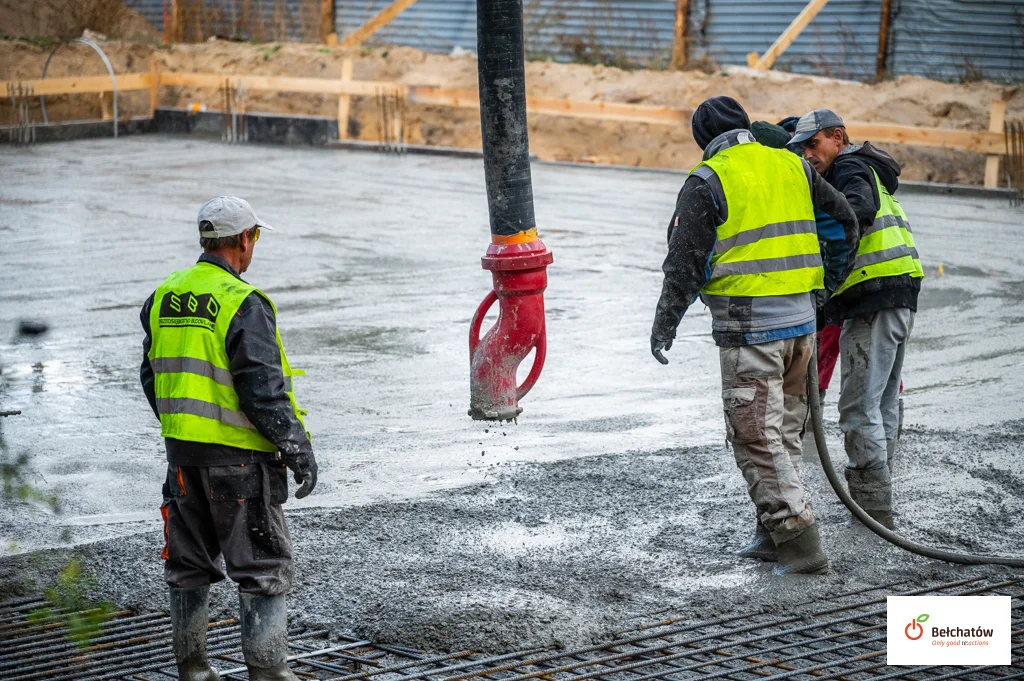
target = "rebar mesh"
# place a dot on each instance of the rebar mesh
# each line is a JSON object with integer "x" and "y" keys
{"x": 844, "y": 639}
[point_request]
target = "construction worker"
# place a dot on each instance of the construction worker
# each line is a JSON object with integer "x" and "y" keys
{"x": 744, "y": 238}
{"x": 217, "y": 377}
{"x": 876, "y": 303}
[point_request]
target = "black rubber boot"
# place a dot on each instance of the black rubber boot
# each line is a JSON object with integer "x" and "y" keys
{"x": 265, "y": 637}
{"x": 802, "y": 555}
{"x": 762, "y": 547}
{"x": 190, "y": 617}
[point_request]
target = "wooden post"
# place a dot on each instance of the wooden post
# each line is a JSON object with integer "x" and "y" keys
{"x": 154, "y": 91}
{"x": 361, "y": 34}
{"x": 679, "y": 47}
{"x": 996, "y": 118}
{"x": 783, "y": 42}
{"x": 326, "y": 21}
{"x": 107, "y": 106}
{"x": 883, "y": 41}
{"x": 175, "y": 21}
{"x": 344, "y": 101}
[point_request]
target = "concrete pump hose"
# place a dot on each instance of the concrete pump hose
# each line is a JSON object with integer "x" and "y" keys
{"x": 879, "y": 529}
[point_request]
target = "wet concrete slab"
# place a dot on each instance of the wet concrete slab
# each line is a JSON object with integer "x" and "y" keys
{"x": 375, "y": 271}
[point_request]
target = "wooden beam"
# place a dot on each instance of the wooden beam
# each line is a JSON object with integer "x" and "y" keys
{"x": 326, "y": 21}
{"x": 86, "y": 84}
{"x": 996, "y": 118}
{"x": 361, "y": 34}
{"x": 573, "y": 108}
{"x": 107, "y": 106}
{"x": 322, "y": 86}
{"x": 154, "y": 91}
{"x": 679, "y": 45}
{"x": 782, "y": 43}
{"x": 883, "y": 41}
{"x": 344, "y": 101}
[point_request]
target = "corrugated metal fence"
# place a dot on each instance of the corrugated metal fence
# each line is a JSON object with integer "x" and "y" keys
{"x": 944, "y": 39}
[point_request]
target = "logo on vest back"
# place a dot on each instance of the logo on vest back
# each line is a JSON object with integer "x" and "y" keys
{"x": 188, "y": 309}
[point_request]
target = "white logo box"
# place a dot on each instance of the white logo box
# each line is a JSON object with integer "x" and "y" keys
{"x": 948, "y": 630}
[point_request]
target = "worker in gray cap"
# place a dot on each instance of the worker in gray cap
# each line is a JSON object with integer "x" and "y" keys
{"x": 876, "y": 304}
{"x": 217, "y": 377}
{"x": 744, "y": 239}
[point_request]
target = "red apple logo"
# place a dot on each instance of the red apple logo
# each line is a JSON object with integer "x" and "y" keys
{"x": 914, "y": 631}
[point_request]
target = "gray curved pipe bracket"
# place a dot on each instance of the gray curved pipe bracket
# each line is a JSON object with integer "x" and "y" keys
{"x": 106, "y": 62}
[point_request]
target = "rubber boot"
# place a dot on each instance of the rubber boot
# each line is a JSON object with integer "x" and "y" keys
{"x": 190, "y": 617}
{"x": 872, "y": 491}
{"x": 762, "y": 547}
{"x": 802, "y": 555}
{"x": 265, "y": 637}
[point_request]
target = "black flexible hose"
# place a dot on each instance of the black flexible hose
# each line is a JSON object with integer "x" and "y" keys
{"x": 879, "y": 529}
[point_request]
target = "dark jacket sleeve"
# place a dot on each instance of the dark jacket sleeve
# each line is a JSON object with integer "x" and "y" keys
{"x": 857, "y": 183}
{"x": 146, "y": 372}
{"x": 255, "y": 362}
{"x": 691, "y": 239}
{"x": 840, "y": 247}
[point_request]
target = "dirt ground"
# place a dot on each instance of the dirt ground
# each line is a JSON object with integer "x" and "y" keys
{"x": 614, "y": 500}
{"x": 907, "y": 100}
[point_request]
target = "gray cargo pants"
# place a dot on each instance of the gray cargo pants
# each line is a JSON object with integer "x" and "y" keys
{"x": 764, "y": 391}
{"x": 871, "y": 355}
{"x": 234, "y": 511}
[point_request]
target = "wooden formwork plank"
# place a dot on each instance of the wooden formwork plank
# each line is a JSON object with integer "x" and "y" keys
{"x": 344, "y": 101}
{"x": 996, "y": 118}
{"x": 281, "y": 83}
{"x": 782, "y": 43}
{"x": 377, "y": 22}
{"x": 80, "y": 84}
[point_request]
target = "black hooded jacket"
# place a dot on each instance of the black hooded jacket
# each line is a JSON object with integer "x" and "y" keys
{"x": 851, "y": 174}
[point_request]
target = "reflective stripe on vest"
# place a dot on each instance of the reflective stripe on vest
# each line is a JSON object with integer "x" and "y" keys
{"x": 887, "y": 247}
{"x": 768, "y": 244}
{"x": 195, "y": 393}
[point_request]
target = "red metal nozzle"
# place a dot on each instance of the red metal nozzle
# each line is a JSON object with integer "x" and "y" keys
{"x": 520, "y": 276}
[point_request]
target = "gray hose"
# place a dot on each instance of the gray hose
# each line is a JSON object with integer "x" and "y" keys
{"x": 879, "y": 529}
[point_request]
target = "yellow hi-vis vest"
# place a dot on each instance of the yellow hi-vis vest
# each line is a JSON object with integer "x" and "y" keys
{"x": 768, "y": 244}
{"x": 887, "y": 247}
{"x": 195, "y": 394}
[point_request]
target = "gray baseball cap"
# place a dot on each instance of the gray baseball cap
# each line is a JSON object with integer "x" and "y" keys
{"x": 227, "y": 216}
{"x": 811, "y": 123}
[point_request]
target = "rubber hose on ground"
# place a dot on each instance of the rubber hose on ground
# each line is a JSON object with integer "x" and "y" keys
{"x": 861, "y": 515}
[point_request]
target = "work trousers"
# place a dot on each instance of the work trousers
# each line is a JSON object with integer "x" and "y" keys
{"x": 872, "y": 348}
{"x": 234, "y": 511}
{"x": 764, "y": 391}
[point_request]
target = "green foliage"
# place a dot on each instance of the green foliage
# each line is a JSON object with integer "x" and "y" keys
{"x": 270, "y": 51}
{"x": 14, "y": 484}
{"x": 37, "y": 40}
{"x": 923, "y": 618}
{"x": 69, "y": 606}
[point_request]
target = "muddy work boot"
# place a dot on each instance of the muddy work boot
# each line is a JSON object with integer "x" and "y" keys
{"x": 190, "y": 617}
{"x": 265, "y": 637}
{"x": 762, "y": 547}
{"x": 872, "y": 491}
{"x": 802, "y": 555}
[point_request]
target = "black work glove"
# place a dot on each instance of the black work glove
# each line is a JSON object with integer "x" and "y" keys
{"x": 657, "y": 345}
{"x": 304, "y": 467}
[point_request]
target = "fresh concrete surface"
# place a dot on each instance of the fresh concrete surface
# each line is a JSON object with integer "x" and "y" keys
{"x": 612, "y": 498}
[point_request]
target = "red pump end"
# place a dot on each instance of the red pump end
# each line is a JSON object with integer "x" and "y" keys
{"x": 520, "y": 276}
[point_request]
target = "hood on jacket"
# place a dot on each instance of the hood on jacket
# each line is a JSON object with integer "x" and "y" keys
{"x": 715, "y": 116}
{"x": 886, "y": 166}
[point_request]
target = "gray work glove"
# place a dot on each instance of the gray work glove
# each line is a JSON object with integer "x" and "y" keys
{"x": 657, "y": 345}
{"x": 305, "y": 469}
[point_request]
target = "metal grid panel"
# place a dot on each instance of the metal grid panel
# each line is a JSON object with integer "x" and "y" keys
{"x": 844, "y": 639}
{"x": 841, "y": 42}
{"x": 610, "y": 31}
{"x": 959, "y": 39}
{"x": 263, "y": 20}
